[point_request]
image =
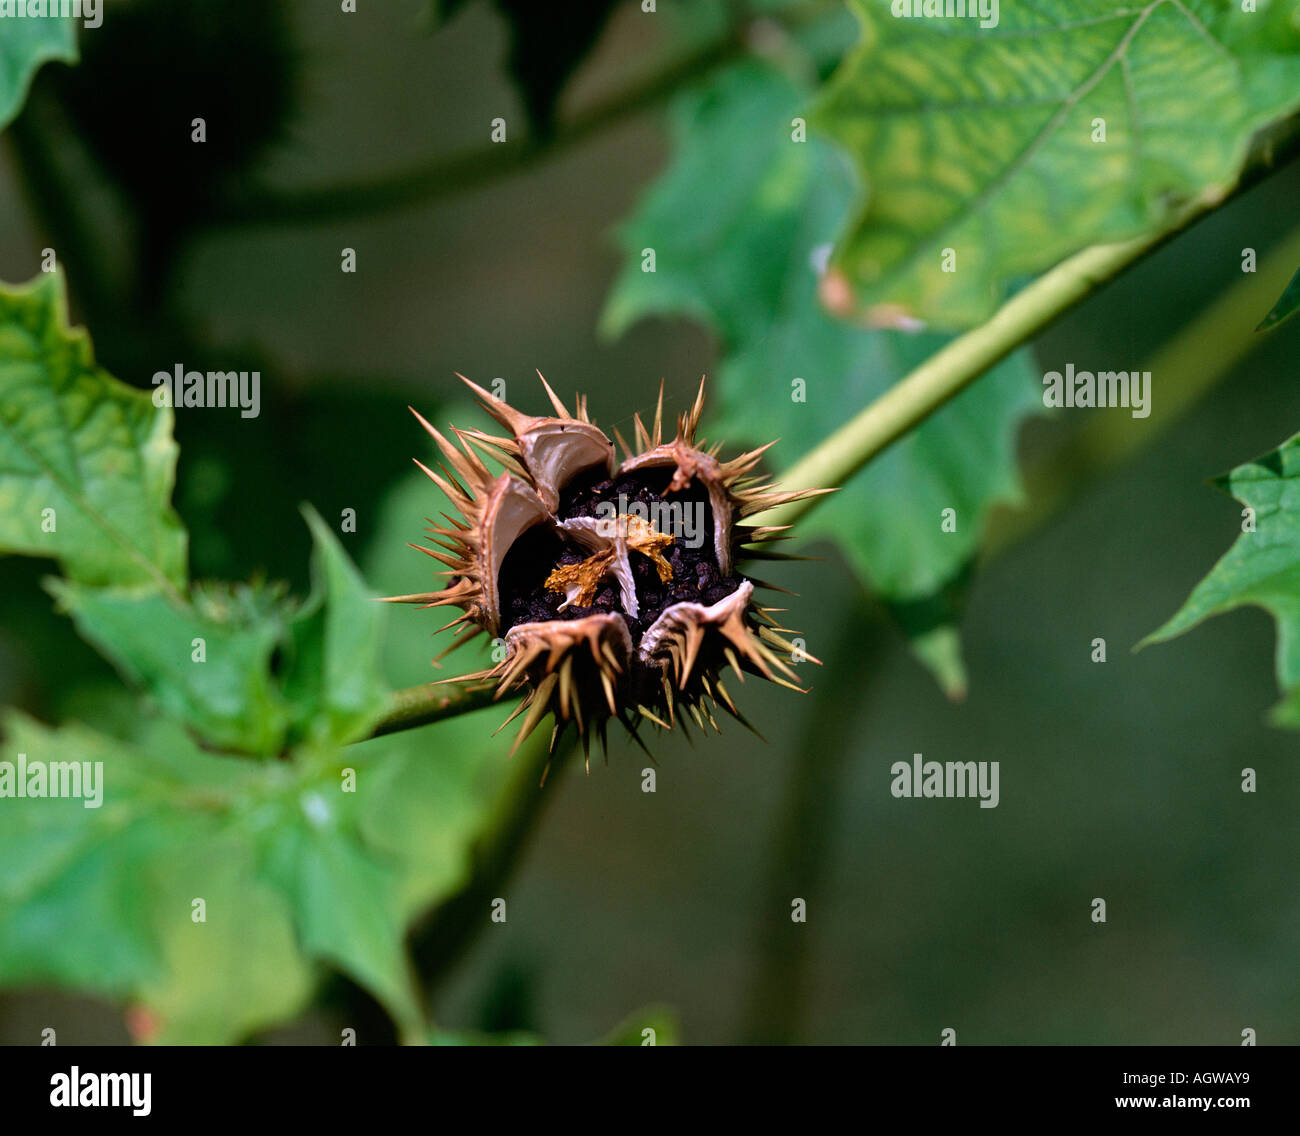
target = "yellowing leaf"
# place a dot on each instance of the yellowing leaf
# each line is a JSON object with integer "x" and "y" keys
{"x": 991, "y": 153}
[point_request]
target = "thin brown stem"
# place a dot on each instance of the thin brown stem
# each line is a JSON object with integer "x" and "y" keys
{"x": 442, "y": 177}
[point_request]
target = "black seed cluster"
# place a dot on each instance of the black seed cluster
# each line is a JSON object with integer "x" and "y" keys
{"x": 696, "y": 575}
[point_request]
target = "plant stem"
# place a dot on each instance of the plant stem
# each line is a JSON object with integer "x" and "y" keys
{"x": 801, "y": 844}
{"x": 1188, "y": 364}
{"x": 954, "y": 367}
{"x": 450, "y": 928}
{"x": 950, "y": 370}
{"x": 442, "y": 177}
{"x": 419, "y": 705}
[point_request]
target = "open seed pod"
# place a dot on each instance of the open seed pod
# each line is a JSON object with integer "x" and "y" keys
{"x": 612, "y": 587}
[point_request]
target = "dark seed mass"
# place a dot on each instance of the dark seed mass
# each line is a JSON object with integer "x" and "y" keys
{"x": 695, "y": 576}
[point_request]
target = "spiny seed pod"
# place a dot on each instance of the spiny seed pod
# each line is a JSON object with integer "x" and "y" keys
{"x": 613, "y": 586}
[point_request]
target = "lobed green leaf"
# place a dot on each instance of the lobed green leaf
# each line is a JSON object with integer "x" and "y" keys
{"x": 1261, "y": 568}
{"x": 87, "y": 464}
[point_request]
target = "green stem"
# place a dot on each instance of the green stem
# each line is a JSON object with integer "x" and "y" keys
{"x": 420, "y": 705}
{"x": 801, "y": 846}
{"x": 448, "y": 931}
{"x": 951, "y": 370}
{"x": 1187, "y": 366}
{"x": 954, "y": 367}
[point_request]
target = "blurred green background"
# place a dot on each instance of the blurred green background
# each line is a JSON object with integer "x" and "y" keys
{"x": 1119, "y": 780}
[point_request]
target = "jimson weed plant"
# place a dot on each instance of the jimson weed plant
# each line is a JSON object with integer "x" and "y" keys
{"x": 233, "y": 798}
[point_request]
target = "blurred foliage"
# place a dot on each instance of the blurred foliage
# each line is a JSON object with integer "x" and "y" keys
{"x": 231, "y": 701}
{"x": 545, "y": 47}
{"x": 315, "y": 845}
{"x": 24, "y": 46}
{"x": 152, "y": 69}
{"x": 324, "y": 690}
{"x": 1286, "y": 305}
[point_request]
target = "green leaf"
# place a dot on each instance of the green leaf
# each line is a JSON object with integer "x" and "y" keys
{"x": 424, "y": 799}
{"x": 345, "y": 900}
{"x": 331, "y": 691}
{"x": 939, "y": 651}
{"x": 322, "y": 859}
{"x": 100, "y": 899}
{"x": 87, "y": 463}
{"x": 227, "y": 696}
{"x": 930, "y": 625}
{"x": 1261, "y": 568}
{"x": 1286, "y": 305}
{"x": 332, "y": 678}
{"x": 981, "y": 140}
{"x": 239, "y": 970}
{"x": 890, "y": 517}
{"x": 738, "y": 253}
{"x": 25, "y": 44}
